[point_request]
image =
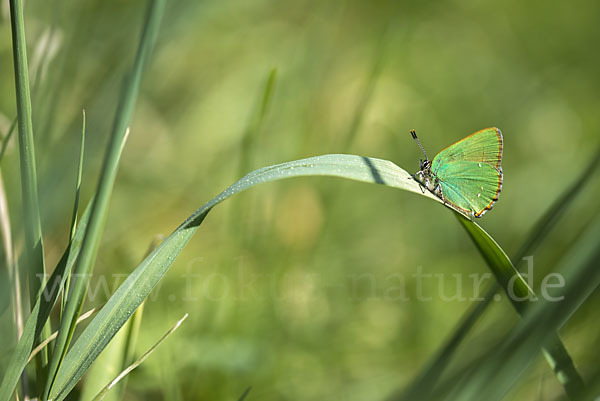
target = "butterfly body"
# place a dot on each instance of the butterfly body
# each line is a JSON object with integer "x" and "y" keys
{"x": 467, "y": 175}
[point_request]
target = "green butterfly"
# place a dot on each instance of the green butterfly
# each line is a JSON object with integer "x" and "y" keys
{"x": 467, "y": 175}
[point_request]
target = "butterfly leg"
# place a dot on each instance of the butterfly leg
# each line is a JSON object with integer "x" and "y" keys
{"x": 419, "y": 180}
{"x": 438, "y": 189}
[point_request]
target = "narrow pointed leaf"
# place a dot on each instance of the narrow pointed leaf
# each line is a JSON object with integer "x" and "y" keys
{"x": 520, "y": 294}
{"x": 33, "y": 253}
{"x": 138, "y": 285}
{"x": 41, "y": 311}
{"x": 75, "y": 205}
{"x": 424, "y": 383}
{"x": 89, "y": 248}
{"x": 507, "y": 362}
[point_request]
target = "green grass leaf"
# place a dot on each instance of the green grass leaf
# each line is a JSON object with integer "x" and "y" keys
{"x": 119, "y": 353}
{"x": 506, "y": 274}
{"x": 41, "y": 311}
{"x": 521, "y": 296}
{"x": 34, "y": 253}
{"x": 75, "y": 206}
{"x": 89, "y": 248}
{"x": 426, "y": 380}
{"x": 140, "y": 282}
{"x": 495, "y": 376}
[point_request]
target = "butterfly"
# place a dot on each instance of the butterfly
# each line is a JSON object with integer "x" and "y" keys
{"x": 467, "y": 176}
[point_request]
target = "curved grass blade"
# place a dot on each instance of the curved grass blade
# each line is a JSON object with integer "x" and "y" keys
{"x": 519, "y": 294}
{"x": 138, "y": 285}
{"x": 91, "y": 241}
{"x": 138, "y": 362}
{"x": 115, "y": 358}
{"x": 111, "y": 362}
{"x": 506, "y": 274}
{"x": 424, "y": 383}
{"x": 119, "y": 353}
{"x": 508, "y": 361}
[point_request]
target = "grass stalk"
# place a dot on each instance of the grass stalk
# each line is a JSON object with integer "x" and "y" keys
{"x": 91, "y": 241}
{"x": 73, "y": 229}
{"x": 425, "y": 382}
{"x": 34, "y": 255}
{"x": 33, "y": 250}
{"x": 518, "y": 292}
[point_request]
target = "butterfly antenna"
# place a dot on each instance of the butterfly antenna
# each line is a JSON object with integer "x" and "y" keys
{"x": 414, "y": 135}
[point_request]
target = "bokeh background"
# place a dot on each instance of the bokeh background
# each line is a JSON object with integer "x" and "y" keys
{"x": 305, "y": 289}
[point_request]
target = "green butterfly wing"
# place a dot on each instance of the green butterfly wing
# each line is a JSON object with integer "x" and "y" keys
{"x": 470, "y": 171}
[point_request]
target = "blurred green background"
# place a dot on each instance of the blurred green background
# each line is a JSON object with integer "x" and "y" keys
{"x": 305, "y": 289}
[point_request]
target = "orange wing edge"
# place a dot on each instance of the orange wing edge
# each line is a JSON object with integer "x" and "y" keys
{"x": 495, "y": 199}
